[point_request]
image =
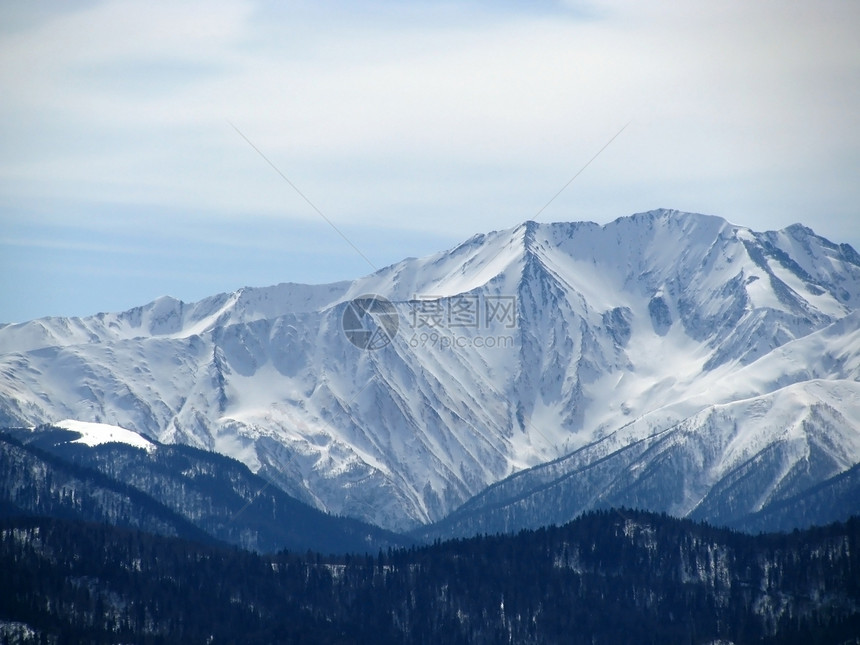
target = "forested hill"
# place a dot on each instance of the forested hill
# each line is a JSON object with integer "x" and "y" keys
{"x": 607, "y": 577}
{"x": 171, "y": 490}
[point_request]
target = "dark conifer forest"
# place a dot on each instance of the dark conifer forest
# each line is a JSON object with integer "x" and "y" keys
{"x": 616, "y": 576}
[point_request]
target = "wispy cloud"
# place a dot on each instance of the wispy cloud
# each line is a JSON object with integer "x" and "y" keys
{"x": 437, "y": 117}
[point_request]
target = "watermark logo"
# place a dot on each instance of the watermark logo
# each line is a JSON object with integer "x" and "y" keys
{"x": 464, "y": 311}
{"x": 451, "y": 340}
{"x": 370, "y": 322}
{"x": 462, "y": 321}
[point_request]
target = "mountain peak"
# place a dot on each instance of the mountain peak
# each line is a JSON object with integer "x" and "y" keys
{"x": 799, "y": 230}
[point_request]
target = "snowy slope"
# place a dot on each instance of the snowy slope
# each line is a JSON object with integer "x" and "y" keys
{"x": 513, "y": 349}
{"x": 721, "y": 464}
{"x": 168, "y": 317}
{"x": 96, "y": 434}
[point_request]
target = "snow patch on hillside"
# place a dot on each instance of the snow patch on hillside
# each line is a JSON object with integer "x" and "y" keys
{"x": 95, "y": 434}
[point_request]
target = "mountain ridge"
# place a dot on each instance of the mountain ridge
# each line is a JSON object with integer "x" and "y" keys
{"x": 609, "y": 334}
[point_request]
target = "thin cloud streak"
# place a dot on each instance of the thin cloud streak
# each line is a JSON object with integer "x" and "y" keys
{"x": 432, "y": 118}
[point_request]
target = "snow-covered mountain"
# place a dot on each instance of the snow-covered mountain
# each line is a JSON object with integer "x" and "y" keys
{"x": 694, "y": 346}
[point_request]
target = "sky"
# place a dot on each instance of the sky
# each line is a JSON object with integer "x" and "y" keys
{"x": 192, "y": 148}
